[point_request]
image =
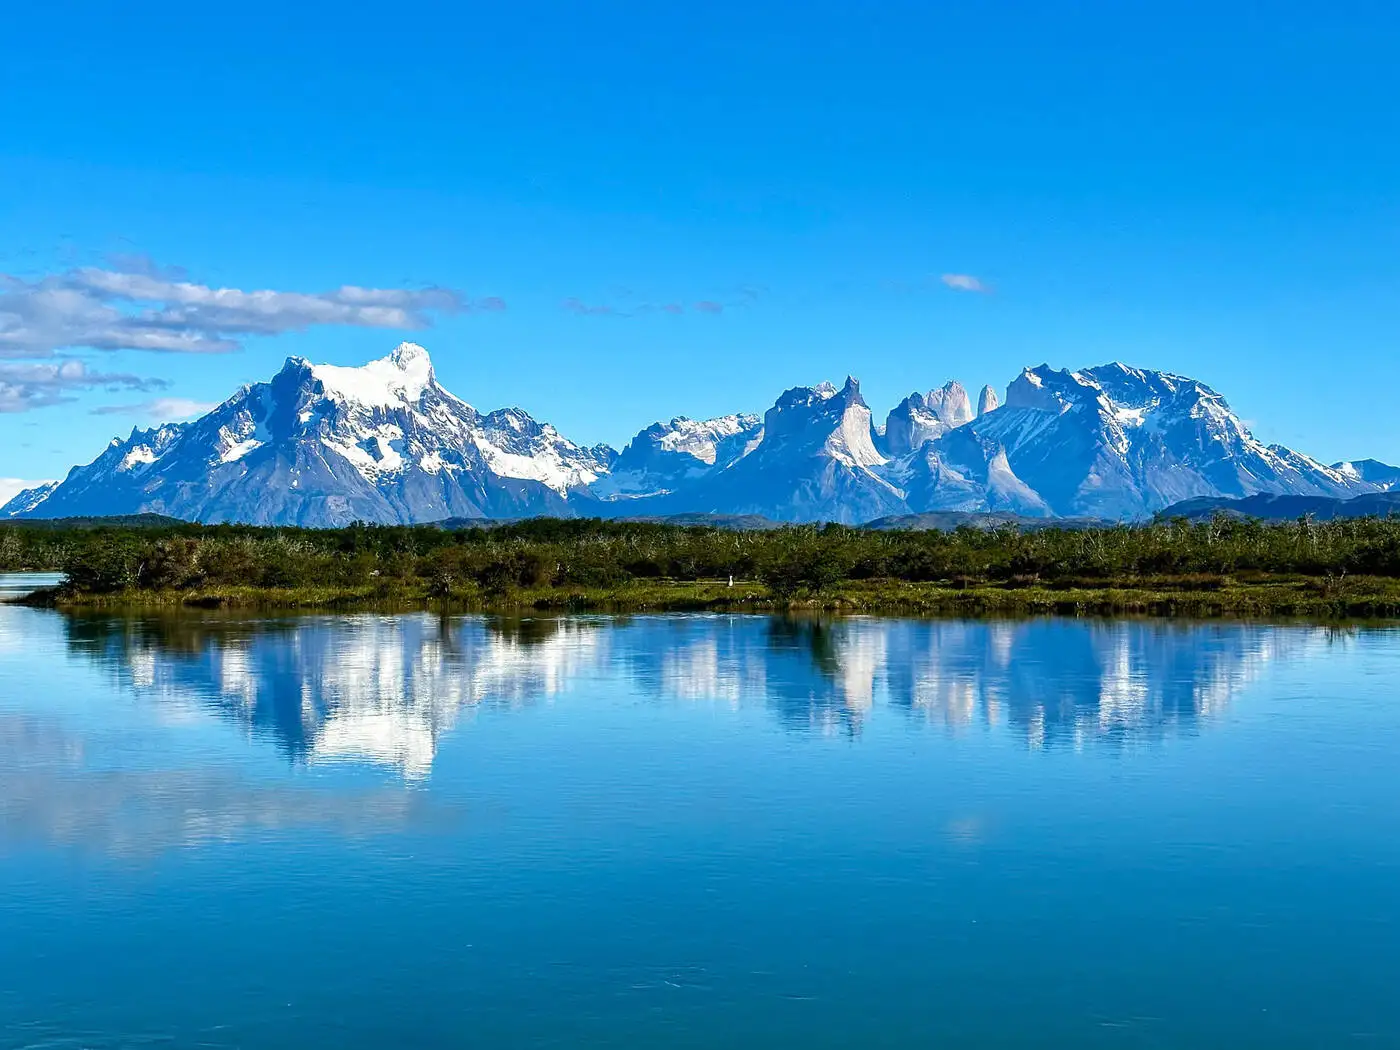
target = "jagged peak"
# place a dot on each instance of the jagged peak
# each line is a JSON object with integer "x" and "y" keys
{"x": 726, "y": 423}
{"x": 160, "y": 430}
{"x": 1116, "y": 373}
{"x": 951, "y": 404}
{"x": 799, "y": 396}
{"x": 510, "y": 416}
{"x": 1117, "y": 366}
{"x": 987, "y": 401}
{"x": 1049, "y": 389}
{"x": 411, "y": 355}
{"x": 847, "y": 394}
{"x": 241, "y": 394}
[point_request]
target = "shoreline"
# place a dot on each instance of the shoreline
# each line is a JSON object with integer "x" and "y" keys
{"x": 1369, "y": 598}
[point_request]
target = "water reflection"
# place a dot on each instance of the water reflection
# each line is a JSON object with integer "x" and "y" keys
{"x": 386, "y": 689}
{"x": 57, "y": 788}
{"x": 382, "y": 689}
{"x": 15, "y": 585}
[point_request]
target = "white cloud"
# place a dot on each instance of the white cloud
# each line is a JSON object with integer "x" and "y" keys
{"x": 161, "y": 409}
{"x": 135, "y": 305}
{"x": 963, "y": 282}
{"x": 12, "y": 487}
{"x": 39, "y": 384}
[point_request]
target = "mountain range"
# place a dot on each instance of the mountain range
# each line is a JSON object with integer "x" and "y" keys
{"x": 1272, "y": 506}
{"x": 323, "y": 445}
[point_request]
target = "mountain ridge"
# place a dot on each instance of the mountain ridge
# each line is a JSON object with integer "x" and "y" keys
{"x": 1272, "y": 506}
{"x": 324, "y": 445}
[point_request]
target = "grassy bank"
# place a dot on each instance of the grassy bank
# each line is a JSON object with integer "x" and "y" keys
{"x": 1225, "y": 567}
{"x": 1259, "y": 596}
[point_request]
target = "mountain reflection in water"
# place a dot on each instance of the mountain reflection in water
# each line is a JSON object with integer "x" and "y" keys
{"x": 385, "y": 690}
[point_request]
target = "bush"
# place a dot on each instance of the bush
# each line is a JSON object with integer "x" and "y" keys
{"x": 590, "y": 553}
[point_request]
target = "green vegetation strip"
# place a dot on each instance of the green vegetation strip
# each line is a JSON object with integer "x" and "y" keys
{"x": 1224, "y": 567}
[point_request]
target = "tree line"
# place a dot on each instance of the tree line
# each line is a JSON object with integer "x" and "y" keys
{"x": 541, "y": 553}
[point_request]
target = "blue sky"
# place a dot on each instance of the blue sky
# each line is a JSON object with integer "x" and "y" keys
{"x": 1205, "y": 188}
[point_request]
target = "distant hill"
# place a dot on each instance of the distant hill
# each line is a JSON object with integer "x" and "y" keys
{"x": 737, "y": 522}
{"x": 945, "y": 521}
{"x": 458, "y": 524}
{"x": 116, "y": 521}
{"x": 1271, "y": 507}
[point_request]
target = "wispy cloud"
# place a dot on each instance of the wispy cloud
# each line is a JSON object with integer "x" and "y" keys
{"x": 27, "y": 386}
{"x": 575, "y": 305}
{"x": 160, "y": 409}
{"x": 964, "y": 282}
{"x": 132, "y": 304}
{"x": 579, "y": 307}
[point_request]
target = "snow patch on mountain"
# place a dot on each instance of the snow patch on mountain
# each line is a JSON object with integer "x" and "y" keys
{"x": 667, "y": 456}
{"x": 701, "y": 440}
{"x": 401, "y": 378}
{"x": 1370, "y": 471}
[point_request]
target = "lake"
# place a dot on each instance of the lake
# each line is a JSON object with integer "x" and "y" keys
{"x": 690, "y": 831}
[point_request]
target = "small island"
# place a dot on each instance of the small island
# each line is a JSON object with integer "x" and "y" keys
{"x": 1219, "y": 567}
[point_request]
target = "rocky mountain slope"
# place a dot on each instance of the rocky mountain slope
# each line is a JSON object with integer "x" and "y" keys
{"x": 320, "y": 445}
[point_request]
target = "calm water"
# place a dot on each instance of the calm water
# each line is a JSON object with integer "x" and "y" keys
{"x": 696, "y": 831}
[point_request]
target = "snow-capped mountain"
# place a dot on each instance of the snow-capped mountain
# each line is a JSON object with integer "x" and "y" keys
{"x": 324, "y": 445}
{"x": 666, "y": 457}
{"x": 1120, "y": 442}
{"x": 1372, "y": 471}
{"x": 817, "y": 461}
